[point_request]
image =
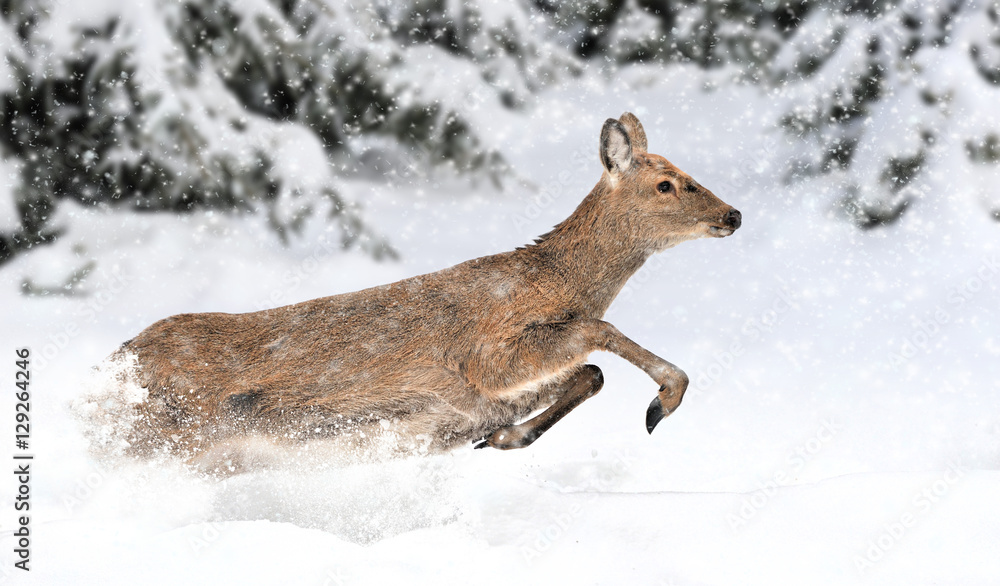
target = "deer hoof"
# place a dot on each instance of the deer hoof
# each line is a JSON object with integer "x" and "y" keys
{"x": 509, "y": 438}
{"x": 654, "y": 414}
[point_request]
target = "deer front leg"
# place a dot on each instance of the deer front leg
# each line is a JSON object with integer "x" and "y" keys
{"x": 551, "y": 347}
{"x": 583, "y": 385}
{"x": 673, "y": 381}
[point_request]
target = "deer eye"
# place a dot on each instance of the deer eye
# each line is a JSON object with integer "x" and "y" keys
{"x": 665, "y": 187}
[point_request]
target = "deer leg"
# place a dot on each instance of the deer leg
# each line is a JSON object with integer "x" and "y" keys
{"x": 583, "y": 385}
{"x": 673, "y": 381}
{"x": 550, "y": 345}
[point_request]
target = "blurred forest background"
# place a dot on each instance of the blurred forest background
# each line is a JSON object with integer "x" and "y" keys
{"x": 174, "y": 106}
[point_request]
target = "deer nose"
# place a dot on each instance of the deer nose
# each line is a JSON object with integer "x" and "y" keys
{"x": 733, "y": 218}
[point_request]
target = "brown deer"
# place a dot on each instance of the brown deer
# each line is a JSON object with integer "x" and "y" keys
{"x": 459, "y": 355}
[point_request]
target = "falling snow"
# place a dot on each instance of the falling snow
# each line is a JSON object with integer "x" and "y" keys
{"x": 844, "y": 352}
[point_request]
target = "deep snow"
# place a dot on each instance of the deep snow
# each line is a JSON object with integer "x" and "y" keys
{"x": 841, "y": 426}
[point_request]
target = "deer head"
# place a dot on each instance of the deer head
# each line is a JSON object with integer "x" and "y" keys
{"x": 662, "y": 204}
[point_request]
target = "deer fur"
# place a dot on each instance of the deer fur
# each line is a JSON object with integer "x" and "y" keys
{"x": 459, "y": 355}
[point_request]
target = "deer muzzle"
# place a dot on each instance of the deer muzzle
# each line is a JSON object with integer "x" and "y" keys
{"x": 731, "y": 221}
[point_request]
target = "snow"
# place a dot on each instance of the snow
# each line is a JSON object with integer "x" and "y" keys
{"x": 841, "y": 425}
{"x": 9, "y": 216}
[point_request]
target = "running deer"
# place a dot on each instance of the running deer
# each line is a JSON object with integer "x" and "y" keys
{"x": 463, "y": 354}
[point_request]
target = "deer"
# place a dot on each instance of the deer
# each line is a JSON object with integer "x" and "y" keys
{"x": 465, "y": 354}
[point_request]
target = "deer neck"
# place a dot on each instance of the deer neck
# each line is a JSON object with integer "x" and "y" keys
{"x": 592, "y": 254}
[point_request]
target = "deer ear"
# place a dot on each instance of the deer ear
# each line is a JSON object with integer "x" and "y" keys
{"x": 635, "y": 132}
{"x": 616, "y": 148}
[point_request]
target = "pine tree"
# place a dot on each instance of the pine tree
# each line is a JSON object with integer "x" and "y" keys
{"x": 708, "y": 33}
{"x": 177, "y": 106}
{"x": 184, "y": 105}
{"x": 886, "y": 93}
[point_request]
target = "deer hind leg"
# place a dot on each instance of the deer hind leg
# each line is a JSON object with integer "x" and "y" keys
{"x": 582, "y": 385}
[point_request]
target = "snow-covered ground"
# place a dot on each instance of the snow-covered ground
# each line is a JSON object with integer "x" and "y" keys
{"x": 841, "y": 426}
